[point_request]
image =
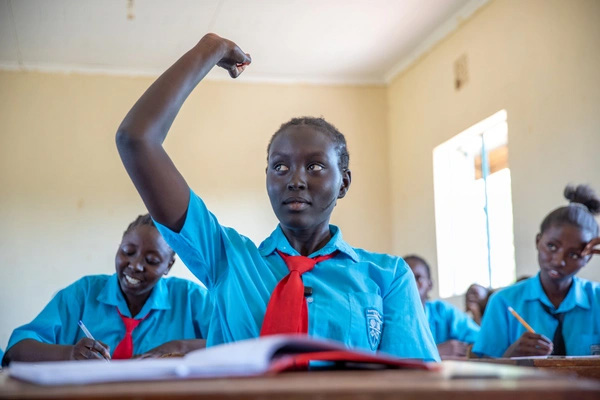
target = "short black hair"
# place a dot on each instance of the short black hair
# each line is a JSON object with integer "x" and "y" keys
{"x": 583, "y": 205}
{"x": 338, "y": 138}
{"x": 141, "y": 220}
{"x": 418, "y": 259}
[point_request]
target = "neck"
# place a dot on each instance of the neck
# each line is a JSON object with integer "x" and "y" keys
{"x": 556, "y": 291}
{"x": 307, "y": 241}
{"x": 135, "y": 302}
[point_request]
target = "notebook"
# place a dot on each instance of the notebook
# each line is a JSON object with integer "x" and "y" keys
{"x": 252, "y": 357}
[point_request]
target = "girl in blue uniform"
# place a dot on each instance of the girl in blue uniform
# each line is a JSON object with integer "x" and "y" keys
{"x": 562, "y": 309}
{"x": 363, "y": 299}
{"x": 453, "y": 330}
{"x": 171, "y": 315}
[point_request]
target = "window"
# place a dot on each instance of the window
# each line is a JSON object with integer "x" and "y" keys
{"x": 473, "y": 208}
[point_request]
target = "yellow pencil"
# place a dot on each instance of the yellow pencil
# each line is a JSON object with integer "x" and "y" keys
{"x": 521, "y": 320}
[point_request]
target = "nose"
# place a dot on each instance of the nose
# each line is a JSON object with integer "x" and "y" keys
{"x": 137, "y": 265}
{"x": 297, "y": 180}
{"x": 559, "y": 259}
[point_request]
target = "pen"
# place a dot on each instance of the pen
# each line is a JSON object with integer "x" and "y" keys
{"x": 87, "y": 333}
{"x": 520, "y": 319}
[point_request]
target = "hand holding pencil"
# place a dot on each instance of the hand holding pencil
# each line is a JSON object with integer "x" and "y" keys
{"x": 530, "y": 343}
{"x": 88, "y": 348}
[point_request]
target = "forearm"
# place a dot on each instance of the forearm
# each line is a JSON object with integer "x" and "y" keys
{"x": 152, "y": 115}
{"x": 139, "y": 137}
{"x": 191, "y": 344}
{"x": 32, "y": 350}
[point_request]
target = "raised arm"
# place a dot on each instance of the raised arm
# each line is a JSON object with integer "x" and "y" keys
{"x": 139, "y": 137}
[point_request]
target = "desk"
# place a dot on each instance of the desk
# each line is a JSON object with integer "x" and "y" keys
{"x": 455, "y": 380}
{"x": 587, "y": 367}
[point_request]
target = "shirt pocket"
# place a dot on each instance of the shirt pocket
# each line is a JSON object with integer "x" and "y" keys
{"x": 366, "y": 320}
{"x": 586, "y": 345}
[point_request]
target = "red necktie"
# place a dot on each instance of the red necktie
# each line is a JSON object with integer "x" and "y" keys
{"x": 287, "y": 311}
{"x": 124, "y": 349}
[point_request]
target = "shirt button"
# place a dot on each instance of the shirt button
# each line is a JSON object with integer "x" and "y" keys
{"x": 309, "y": 299}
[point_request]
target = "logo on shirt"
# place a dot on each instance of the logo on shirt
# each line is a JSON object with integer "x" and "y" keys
{"x": 374, "y": 327}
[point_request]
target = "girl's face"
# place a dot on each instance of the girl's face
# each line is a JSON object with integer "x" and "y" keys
{"x": 304, "y": 179}
{"x": 424, "y": 284}
{"x": 559, "y": 252}
{"x": 142, "y": 259}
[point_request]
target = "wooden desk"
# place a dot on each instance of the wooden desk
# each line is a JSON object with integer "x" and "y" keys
{"x": 456, "y": 380}
{"x": 587, "y": 367}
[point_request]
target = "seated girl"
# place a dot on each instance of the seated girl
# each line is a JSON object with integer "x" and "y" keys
{"x": 164, "y": 316}
{"x": 453, "y": 330}
{"x": 562, "y": 309}
{"x": 476, "y": 300}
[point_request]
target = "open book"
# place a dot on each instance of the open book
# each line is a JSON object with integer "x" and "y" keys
{"x": 270, "y": 354}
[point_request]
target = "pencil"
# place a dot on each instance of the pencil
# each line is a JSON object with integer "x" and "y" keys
{"x": 520, "y": 319}
{"x": 88, "y": 334}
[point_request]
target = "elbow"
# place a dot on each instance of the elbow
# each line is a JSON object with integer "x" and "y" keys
{"x": 124, "y": 139}
{"x": 127, "y": 142}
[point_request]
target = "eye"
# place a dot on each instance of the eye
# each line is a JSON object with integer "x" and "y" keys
{"x": 574, "y": 256}
{"x": 128, "y": 251}
{"x": 152, "y": 260}
{"x": 315, "y": 167}
{"x": 280, "y": 168}
{"x": 551, "y": 247}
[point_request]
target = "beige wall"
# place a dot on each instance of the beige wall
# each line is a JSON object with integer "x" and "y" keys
{"x": 66, "y": 199}
{"x": 539, "y": 60}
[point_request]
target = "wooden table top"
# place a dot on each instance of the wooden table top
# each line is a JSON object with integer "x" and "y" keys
{"x": 455, "y": 380}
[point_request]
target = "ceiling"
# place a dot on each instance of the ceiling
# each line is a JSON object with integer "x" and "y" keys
{"x": 317, "y": 41}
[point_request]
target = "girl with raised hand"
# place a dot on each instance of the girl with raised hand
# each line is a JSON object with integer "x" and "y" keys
{"x": 132, "y": 313}
{"x": 562, "y": 309}
{"x": 304, "y": 278}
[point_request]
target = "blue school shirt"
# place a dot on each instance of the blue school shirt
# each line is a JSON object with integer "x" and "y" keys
{"x": 364, "y": 300}
{"x": 176, "y": 309}
{"x": 448, "y": 322}
{"x": 581, "y": 325}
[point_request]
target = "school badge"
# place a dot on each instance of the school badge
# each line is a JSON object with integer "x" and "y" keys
{"x": 374, "y": 327}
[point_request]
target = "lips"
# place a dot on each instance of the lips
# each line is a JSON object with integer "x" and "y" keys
{"x": 132, "y": 281}
{"x": 295, "y": 200}
{"x": 552, "y": 273}
{"x": 296, "y": 203}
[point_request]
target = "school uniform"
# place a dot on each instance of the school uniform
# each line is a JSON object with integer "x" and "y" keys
{"x": 176, "y": 309}
{"x": 581, "y": 325}
{"x": 365, "y": 300}
{"x": 448, "y": 322}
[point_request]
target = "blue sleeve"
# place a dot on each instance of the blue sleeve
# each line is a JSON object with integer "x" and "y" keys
{"x": 462, "y": 327}
{"x": 57, "y": 322}
{"x": 405, "y": 329}
{"x": 207, "y": 248}
{"x": 200, "y": 243}
{"x": 493, "y": 337}
{"x": 202, "y": 307}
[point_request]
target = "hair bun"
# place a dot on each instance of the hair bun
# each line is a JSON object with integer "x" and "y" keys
{"x": 584, "y": 195}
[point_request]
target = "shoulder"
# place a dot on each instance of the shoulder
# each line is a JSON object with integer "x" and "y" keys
{"x": 175, "y": 283}
{"x": 513, "y": 296}
{"x": 441, "y": 305}
{"x": 384, "y": 260}
{"x": 88, "y": 283}
{"x": 587, "y": 285}
{"x": 180, "y": 285}
{"x": 443, "y": 308}
{"x": 590, "y": 288}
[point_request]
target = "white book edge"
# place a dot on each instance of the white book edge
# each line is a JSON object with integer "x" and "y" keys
{"x": 244, "y": 358}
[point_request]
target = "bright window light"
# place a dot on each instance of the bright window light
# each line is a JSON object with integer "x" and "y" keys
{"x": 473, "y": 208}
